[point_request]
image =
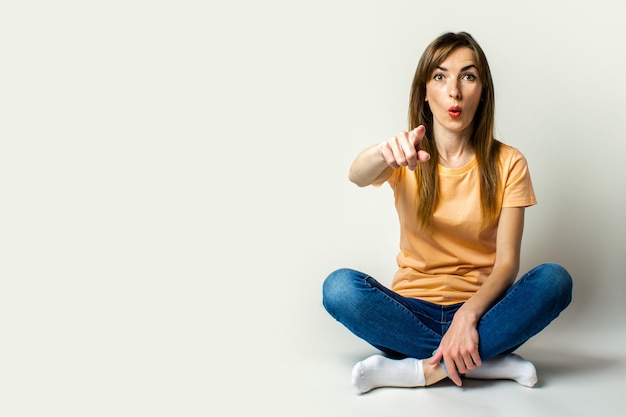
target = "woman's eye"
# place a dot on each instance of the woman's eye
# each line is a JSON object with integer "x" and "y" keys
{"x": 438, "y": 77}
{"x": 470, "y": 77}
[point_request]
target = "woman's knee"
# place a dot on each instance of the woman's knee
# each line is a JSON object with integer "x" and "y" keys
{"x": 558, "y": 281}
{"x": 336, "y": 284}
{"x": 338, "y": 287}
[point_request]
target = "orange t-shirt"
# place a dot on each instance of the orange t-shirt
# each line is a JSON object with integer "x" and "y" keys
{"x": 448, "y": 262}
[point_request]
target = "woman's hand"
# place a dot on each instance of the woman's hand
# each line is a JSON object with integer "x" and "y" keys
{"x": 403, "y": 149}
{"x": 459, "y": 347}
{"x": 376, "y": 163}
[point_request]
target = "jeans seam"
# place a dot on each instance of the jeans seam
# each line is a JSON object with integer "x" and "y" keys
{"x": 404, "y": 308}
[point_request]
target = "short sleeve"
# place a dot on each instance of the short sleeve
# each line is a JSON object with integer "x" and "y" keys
{"x": 518, "y": 187}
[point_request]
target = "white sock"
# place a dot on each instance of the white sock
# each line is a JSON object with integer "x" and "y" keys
{"x": 378, "y": 371}
{"x": 509, "y": 366}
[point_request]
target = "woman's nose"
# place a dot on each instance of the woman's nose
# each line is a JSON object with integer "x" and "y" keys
{"x": 455, "y": 92}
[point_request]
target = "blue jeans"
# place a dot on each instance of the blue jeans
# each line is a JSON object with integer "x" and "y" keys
{"x": 409, "y": 327}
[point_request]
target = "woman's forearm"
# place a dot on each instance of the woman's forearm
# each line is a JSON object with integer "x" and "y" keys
{"x": 376, "y": 163}
{"x": 369, "y": 167}
{"x": 491, "y": 291}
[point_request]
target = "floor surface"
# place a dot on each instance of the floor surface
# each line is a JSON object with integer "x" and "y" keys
{"x": 573, "y": 381}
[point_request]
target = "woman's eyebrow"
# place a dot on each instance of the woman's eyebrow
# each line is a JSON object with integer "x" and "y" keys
{"x": 465, "y": 68}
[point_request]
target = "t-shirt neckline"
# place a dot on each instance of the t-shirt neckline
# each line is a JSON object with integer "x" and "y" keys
{"x": 460, "y": 170}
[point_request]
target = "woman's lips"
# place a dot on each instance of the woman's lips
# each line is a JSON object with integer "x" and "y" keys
{"x": 454, "y": 112}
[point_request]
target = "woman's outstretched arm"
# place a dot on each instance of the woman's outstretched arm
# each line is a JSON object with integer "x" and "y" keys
{"x": 376, "y": 163}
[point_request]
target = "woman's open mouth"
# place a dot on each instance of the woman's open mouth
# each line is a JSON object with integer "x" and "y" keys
{"x": 454, "y": 112}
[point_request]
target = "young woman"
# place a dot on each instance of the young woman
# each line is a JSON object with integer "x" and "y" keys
{"x": 455, "y": 307}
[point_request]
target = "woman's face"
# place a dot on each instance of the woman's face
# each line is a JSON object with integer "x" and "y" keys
{"x": 453, "y": 93}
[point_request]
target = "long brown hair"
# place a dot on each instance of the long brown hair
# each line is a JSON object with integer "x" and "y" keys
{"x": 482, "y": 140}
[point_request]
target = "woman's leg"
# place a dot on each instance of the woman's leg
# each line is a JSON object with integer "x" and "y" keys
{"x": 391, "y": 322}
{"x": 388, "y": 321}
{"x": 528, "y": 307}
{"x": 378, "y": 315}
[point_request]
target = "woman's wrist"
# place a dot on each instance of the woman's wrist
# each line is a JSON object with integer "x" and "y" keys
{"x": 468, "y": 315}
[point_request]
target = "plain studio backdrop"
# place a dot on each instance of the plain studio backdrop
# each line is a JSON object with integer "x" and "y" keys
{"x": 173, "y": 191}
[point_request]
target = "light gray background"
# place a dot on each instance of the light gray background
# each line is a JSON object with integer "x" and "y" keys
{"x": 173, "y": 191}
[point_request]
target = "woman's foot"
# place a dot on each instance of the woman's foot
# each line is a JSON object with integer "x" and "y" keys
{"x": 378, "y": 371}
{"x": 509, "y": 366}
